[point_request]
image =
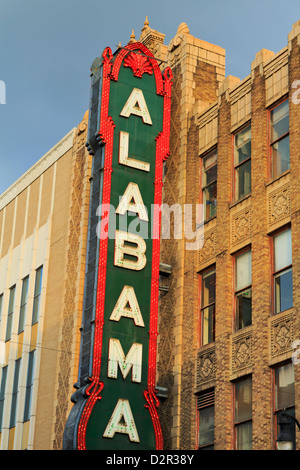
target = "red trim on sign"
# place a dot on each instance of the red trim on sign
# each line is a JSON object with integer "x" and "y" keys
{"x": 162, "y": 152}
{"x": 139, "y": 47}
{"x": 106, "y": 132}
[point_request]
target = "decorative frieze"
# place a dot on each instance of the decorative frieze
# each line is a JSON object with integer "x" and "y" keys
{"x": 208, "y": 251}
{"x": 282, "y": 333}
{"x": 241, "y": 226}
{"x": 241, "y": 350}
{"x": 206, "y": 366}
{"x": 279, "y": 204}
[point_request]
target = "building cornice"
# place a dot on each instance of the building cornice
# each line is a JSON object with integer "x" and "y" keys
{"x": 37, "y": 169}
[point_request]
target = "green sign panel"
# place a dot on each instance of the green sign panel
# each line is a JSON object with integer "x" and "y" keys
{"x": 119, "y": 410}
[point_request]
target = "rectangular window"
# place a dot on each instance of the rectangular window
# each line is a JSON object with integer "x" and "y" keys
{"x": 282, "y": 271}
{"x": 1, "y": 304}
{"x": 12, "y": 292}
{"x": 37, "y": 295}
{"x": 209, "y": 184}
{"x": 242, "y": 163}
{"x": 279, "y": 139}
{"x": 206, "y": 420}
{"x": 2, "y": 394}
{"x": 243, "y": 414}
{"x": 284, "y": 394}
{"x": 23, "y": 304}
{"x": 243, "y": 290}
{"x": 15, "y": 394}
{"x": 29, "y": 385}
{"x": 208, "y": 299}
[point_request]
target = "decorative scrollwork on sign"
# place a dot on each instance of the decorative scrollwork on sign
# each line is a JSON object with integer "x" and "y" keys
{"x": 139, "y": 64}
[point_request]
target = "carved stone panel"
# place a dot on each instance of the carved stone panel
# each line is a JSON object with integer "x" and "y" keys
{"x": 206, "y": 368}
{"x": 282, "y": 334}
{"x": 279, "y": 204}
{"x": 241, "y": 226}
{"x": 208, "y": 251}
{"x": 241, "y": 357}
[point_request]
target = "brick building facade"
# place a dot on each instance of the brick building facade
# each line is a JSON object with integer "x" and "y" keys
{"x": 229, "y": 311}
{"x": 240, "y": 369}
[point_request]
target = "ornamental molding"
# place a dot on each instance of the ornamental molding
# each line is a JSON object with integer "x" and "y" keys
{"x": 241, "y": 226}
{"x": 282, "y": 333}
{"x": 208, "y": 250}
{"x": 139, "y": 64}
{"x": 279, "y": 204}
{"x": 241, "y": 351}
{"x": 206, "y": 366}
{"x": 276, "y": 62}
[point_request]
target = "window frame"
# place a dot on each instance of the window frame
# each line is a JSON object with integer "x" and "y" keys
{"x": 37, "y": 296}
{"x": 275, "y": 273}
{"x": 205, "y": 400}
{"x": 1, "y": 304}
{"x": 239, "y": 291}
{"x": 22, "y": 313}
{"x": 276, "y": 411}
{"x": 10, "y": 312}
{"x": 234, "y": 196}
{"x": 204, "y": 187}
{"x": 3, "y": 385}
{"x": 15, "y": 393}
{"x": 248, "y": 420}
{"x": 271, "y": 143}
{"x": 206, "y": 271}
{"x": 29, "y": 385}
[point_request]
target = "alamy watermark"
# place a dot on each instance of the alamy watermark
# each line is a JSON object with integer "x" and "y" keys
{"x": 166, "y": 222}
{"x": 296, "y": 93}
{"x": 2, "y": 92}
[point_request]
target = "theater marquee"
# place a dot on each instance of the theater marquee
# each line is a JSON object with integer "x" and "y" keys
{"x": 116, "y": 408}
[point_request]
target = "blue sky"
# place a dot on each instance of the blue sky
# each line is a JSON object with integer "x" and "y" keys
{"x": 48, "y": 46}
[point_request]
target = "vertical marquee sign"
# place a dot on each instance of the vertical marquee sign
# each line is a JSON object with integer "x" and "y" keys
{"x": 116, "y": 405}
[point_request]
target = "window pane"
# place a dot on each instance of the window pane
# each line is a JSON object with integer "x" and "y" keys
{"x": 244, "y": 309}
{"x": 281, "y": 156}
{"x": 243, "y": 271}
{"x": 283, "y": 291}
{"x": 208, "y": 287}
{"x": 210, "y": 201}
{"x": 206, "y": 426}
{"x": 29, "y": 386}
{"x": 284, "y": 387}
{"x": 37, "y": 295}
{"x": 38, "y": 282}
{"x": 243, "y": 180}
{"x": 280, "y": 121}
{"x": 242, "y": 145}
{"x": 243, "y": 400}
{"x": 244, "y": 436}
{"x": 2, "y": 393}
{"x": 11, "y": 299}
{"x": 1, "y": 303}
{"x": 10, "y": 313}
{"x": 23, "y": 304}
{"x": 282, "y": 250}
{"x": 15, "y": 394}
{"x": 209, "y": 168}
{"x": 208, "y": 325}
